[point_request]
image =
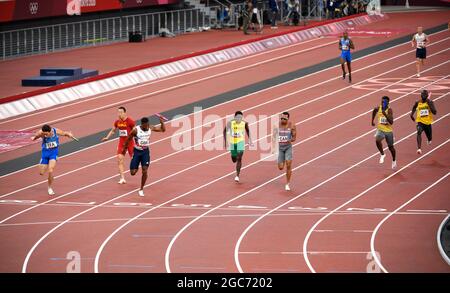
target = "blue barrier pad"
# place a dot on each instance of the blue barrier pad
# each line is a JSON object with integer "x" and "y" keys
{"x": 54, "y": 80}
{"x": 61, "y": 71}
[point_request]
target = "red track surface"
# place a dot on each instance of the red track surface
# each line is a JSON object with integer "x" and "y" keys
{"x": 194, "y": 218}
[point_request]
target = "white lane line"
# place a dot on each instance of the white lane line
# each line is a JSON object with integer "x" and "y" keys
{"x": 301, "y": 253}
{"x": 255, "y": 93}
{"x": 148, "y": 83}
{"x": 427, "y": 211}
{"x": 345, "y": 231}
{"x": 297, "y": 106}
{"x": 259, "y": 186}
{"x": 308, "y": 235}
{"x": 238, "y": 243}
{"x": 103, "y": 244}
{"x": 168, "y": 251}
{"x": 284, "y": 96}
{"x": 69, "y": 203}
{"x": 377, "y": 228}
{"x": 96, "y": 221}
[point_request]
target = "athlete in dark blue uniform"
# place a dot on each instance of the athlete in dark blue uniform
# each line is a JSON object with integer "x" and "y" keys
{"x": 345, "y": 44}
{"x": 50, "y": 145}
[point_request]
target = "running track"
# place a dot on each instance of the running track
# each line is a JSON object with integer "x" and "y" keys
{"x": 343, "y": 211}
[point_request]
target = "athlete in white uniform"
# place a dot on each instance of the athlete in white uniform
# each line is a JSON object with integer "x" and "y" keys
{"x": 141, "y": 154}
{"x": 419, "y": 41}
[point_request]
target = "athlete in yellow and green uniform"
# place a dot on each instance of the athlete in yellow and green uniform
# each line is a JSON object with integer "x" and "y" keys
{"x": 385, "y": 117}
{"x": 234, "y": 134}
{"x": 425, "y": 110}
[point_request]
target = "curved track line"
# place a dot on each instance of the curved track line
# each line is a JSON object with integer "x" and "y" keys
{"x": 375, "y": 231}
{"x": 308, "y": 235}
{"x": 278, "y": 207}
{"x": 49, "y": 233}
{"x": 118, "y": 229}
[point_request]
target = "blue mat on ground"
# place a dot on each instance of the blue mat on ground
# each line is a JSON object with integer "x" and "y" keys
{"x": 54, "y": 76}
{"x": 57, "y": 71}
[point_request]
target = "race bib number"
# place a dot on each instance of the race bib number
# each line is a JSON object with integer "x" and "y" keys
{"x": 424, "y": 113}
{"x": 123, "y": 132}
{"x": 420, "y": 44}
{"x": 255, "y": 10}
{"x": 383, "y": 120}
{"x": 283, "y": 138}
{"x": 344, "y": 47}
{"x": 143, "y": 142}
{"x": 51, "y": 145}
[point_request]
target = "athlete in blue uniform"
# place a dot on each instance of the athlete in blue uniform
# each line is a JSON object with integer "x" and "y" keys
{"x": 345, "y": 44}
{"x": 50, "y": 144}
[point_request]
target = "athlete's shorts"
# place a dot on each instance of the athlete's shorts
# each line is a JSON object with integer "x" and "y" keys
{"x": 141, "y": 157}
{"x": 347, "y": 56}
{"x": 421, "y": 53}
{"x": 425, "y": 127}
{"x": 284, "y": 153}
{"x": 237, "y": 148}
{"x": 130, "y": 147}
{"x": 389, "y": 136}
{"x": 47, "y": 155}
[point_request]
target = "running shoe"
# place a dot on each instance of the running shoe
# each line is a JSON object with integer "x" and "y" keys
{"x": 50, "y": 191}
{"x": 141, "y": 192}
{"x": 382, "y": 158}
{"x": 236, "y": 178}
{"x": 287, "y": 188}
{"x": 122, "y": 181}
{"x": 394, "y": 165}
{"x": 419, "y": 151}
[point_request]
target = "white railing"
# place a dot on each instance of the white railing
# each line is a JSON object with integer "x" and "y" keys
{"x": 51, "y": 38}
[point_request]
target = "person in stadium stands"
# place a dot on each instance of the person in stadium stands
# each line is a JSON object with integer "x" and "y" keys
{"x": 50, "y": 147}
{"x": 141, "y": 154}
{"x": 124, "y": 124}
{"x": 285, "y": 134}
{"x": 424, "y": 118}
{"x": 273, "y": 5}
{"x": 345, "y": 45}
{"x": 385, "y": 118}
{"x": 293, "y": 16}
{"x": 246, "y": 12}
{"x": 255, "y": 18}
{"x": 236, "y": 130}
{"x": 420, "y": 41}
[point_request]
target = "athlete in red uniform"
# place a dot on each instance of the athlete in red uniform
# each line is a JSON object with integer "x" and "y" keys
{"x": 125, "y": 125}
